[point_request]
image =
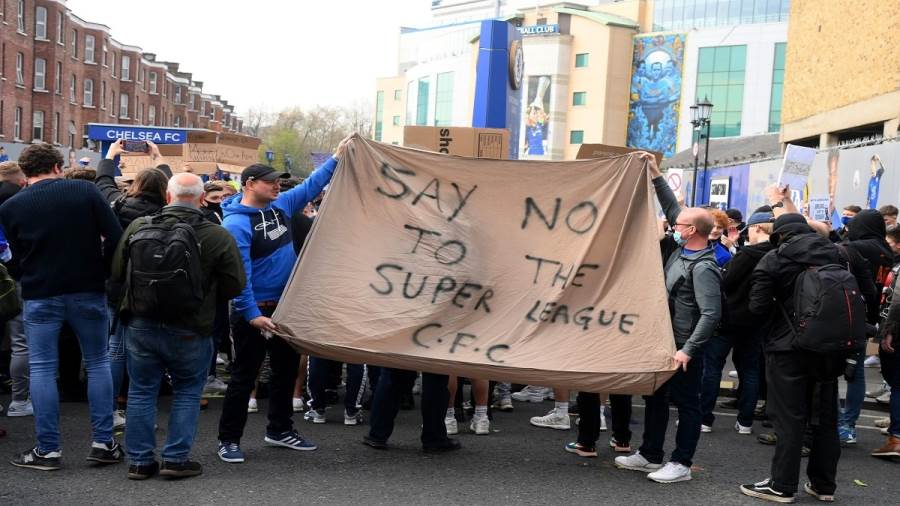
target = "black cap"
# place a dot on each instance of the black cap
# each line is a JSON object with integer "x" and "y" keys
{"x": 258, "y": 171}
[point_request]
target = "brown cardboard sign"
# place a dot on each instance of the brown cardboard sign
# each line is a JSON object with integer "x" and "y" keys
{"x": 234, "y": 155}
{"x": 201, "y": 137}
{"x": 587, "y": 151}
{"x": 200, "y": 152}
{"x": 460, "y": 141}
{"x": 241, "y": 141}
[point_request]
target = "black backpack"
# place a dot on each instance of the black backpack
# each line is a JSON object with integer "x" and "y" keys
{"x": 164, "y": 279}
{"x": 829, "y": 314}
{"x": 10, "y": 303}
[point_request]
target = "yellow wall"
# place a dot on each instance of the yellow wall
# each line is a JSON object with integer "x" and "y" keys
{"x": 391, "y": 133}
{"x": 838, "y": 53}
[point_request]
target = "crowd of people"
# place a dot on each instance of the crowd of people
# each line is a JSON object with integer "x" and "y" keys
{"x": 178, "y": 277}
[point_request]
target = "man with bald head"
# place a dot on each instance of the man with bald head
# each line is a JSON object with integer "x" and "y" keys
{"x": 695, "y": 305}
{"x": 181, "y": 344}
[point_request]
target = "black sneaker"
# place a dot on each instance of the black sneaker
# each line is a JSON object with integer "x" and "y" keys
{"x": 33, "y": 459}
{"x": 374, "y": 443}
{"x": 448, "y": 445}
{"x": 106, "y": 453}
{"x": 144, "y": 471}
{"x": 763, "y": 490}
{"x": 184, "y": 469}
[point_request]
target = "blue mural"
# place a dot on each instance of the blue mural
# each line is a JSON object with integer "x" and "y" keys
{"x": 655, "y": 92}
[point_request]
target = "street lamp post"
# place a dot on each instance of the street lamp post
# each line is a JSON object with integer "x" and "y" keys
{"x": 700, "y": 117}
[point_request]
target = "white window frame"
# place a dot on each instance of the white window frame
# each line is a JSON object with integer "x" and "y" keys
{"x": 60, "y": 37}
{"x": 112, "y": 66}
{"x": 17, "y": 124}
{"x": 153, "y": 83}
{"x": 126, "y": 67}
{"x": 40, "y": 74}
{"x": 40, "y": 23}
{"x": 58, "y": 78}
{"x": 123, "y": 105}
{"x": 151, "y": 115}
{"x": 20, "y": 17}
{"x": 90, "y": 44}
{"x": 88, "y": 93}
{"x": 74, "y": 44}
{"x": 103, "y": 95}
{"x": 56, "y": 120}
{"x": 20, "y": 69}
{"x": 73, "y": 92}
{"x": 178, "y": 94}
{"x": 37, "y": 122}
{"x": 105, "y": 54}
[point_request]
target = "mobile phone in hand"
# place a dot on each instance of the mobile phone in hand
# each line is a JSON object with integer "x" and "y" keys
{"x": 136, "y": 146}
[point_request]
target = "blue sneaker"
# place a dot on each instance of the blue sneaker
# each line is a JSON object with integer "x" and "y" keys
{"x": 230, "y": 452}
{"x": 847, "y": 435}
{"x": 290, "y": 439}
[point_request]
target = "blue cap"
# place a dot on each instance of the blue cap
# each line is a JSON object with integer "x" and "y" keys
{"x": 757, "y": 218}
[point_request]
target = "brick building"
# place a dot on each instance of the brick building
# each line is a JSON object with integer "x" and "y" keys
{"x": 59, "y": 72}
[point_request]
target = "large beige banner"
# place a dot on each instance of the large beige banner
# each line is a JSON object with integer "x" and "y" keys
{"x": 545, "y": 273}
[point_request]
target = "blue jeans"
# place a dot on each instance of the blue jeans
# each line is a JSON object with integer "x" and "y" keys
{"x": 154, "y": 348}
{"x": 86, "y": 314}
{"x": 318, "y": 377}
{"x": 683, "y": 389}
{"x": 117, "y": 355}
{"x": 745, "y": 353}
{"x": 856, "y": 394}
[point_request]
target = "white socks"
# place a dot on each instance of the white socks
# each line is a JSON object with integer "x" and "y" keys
{"x": 480, "y": 411}
{"x": 562, "y": 407}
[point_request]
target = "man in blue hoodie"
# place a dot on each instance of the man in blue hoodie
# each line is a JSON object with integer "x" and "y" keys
{"x": 259, "y": 218}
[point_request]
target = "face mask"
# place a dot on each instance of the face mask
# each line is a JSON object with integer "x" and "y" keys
{"x": 845, "y": 220}
{"x": 681, "y": 241}
{"x": 217, "y": 208}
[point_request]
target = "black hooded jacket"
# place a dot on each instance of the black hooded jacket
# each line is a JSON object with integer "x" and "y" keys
{"x": 866, "y": 237}
{"x": 127, "y": 207}
{"x": 773, "y": 279}
{"x": 736, "y": 283}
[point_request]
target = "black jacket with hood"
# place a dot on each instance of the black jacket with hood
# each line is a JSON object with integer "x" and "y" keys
{"x": 797, "y": 247}
{"x": 736, "y": 283}
{"x": 866, "y": 237}
{"x": 127, "y": 207}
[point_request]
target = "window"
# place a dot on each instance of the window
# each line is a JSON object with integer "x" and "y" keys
{"x": 123, "y": 105}
{"x": 177, "y": 122}
{"x": 103, "y": 94}
{"x": 112, "y": 64}
{"x": 88, "y": 93}
{"x": 202, "y": 108}
{"x": 17, "y": 124}
{"x": 21, "y": 20}
{"x": 397, "y": 95}
{"x": 422, "y": 102}
{"x": 59, "y": 29}
{"x": 20, "y": 69}
{"x": 153, "y": 82}
{"x": 151, "y": 115}
{"x": 72, "y": 132}
{"x": 720, "y": 78}
{"x": 379, "y": 113}
{"x": 75, "y": 44}
{"x": 396, "y": 120}
{"x": 40, "y": 74}
{"x": 178, "y": 94}
{"x": 576, "y": 137}
{"x": 37, "y": 125}
{"x": 89, "y": 43}
{"x": 443, "y": 107}
{"x": 689, "y": 14}
{"x": 40, "y": 23}
{"x": 72, "y": 89}
{"x": 777, "y": 88}
{"x": 581, "y": 60}
{"x": 57, "y": 79}
{"x": 1, "y": 118}
{"x": 105, "y": 55}
{"x": 56, "y": 127}
{"x": 126, "y": 67}
{"x": 579, "y": 98}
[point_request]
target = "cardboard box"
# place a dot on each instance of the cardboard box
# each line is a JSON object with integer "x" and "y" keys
{"x": 587, "y": 151}
{"x": 460, "y": 141}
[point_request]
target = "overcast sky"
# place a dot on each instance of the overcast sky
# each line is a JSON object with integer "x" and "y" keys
{"x": 277, "y": 54}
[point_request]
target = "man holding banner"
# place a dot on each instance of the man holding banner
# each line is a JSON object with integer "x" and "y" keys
{"x": 693, "y": 285}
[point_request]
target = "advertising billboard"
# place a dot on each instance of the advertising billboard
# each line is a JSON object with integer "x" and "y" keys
{"x": 537, "y": 116}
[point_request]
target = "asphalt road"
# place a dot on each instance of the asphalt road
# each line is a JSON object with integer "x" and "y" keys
{"x": 516, "y": 464}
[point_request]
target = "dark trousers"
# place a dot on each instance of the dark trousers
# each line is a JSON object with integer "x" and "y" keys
{"x": 250, "y": 350}
{"x": 319, "y": 371}
{"x": 683, "y": 389}
{"x": 745, "y": 354}
{"x": 386, "y": 404}
{"x": 589, "y": 418}
{"x": 803, "y": 390}
{"x": 890, "y": 370}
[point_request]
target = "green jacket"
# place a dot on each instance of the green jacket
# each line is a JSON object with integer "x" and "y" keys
{"x": 220, "y": 262}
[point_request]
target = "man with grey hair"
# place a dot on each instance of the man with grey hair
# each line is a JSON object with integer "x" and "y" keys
{"x": 172, "y": 335}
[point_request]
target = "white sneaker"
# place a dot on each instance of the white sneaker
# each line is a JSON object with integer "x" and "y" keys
{"x": 452, "y": 426}
{"x": 882, "y": 423}
{"x": 314, "y": 416}
{"x": 220, "y": 359}
{"x": 636, "y": 462}
{"x": 531, "y": 394}
{"x": 884, "y": 398}
{"x": 706, "y": 429}
{"x": 602, "y": 418}
{"x": 553, "y": 420}
{"x": 732, "y": 374}
{"x": 20, "y": 408}
{"x": 672, "y": 472}
{"x": 118, "y": 419}
{"x": 480, "y": 425}
{"x": 215, "y": 386}
{"x": 298, "y": 405}
{"x": 355, "y": 419}
{"x": 503, "y": 404}
{"x": 741, "y": 429}
{"x": 872, "y": 361}
{"x": 252, "y": 406}
{"x": 882, "y": 389}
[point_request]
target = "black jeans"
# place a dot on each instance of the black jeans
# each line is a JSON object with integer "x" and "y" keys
{"x": 250, "y": 350}
{"x": 386, "y": 404}
{"x": 803, "y": 390}
{"x": 684, "y": 390}
{"x": 589, "y": 418}
{"x": 744, "y": 348}
{"x": 319, "y": 369}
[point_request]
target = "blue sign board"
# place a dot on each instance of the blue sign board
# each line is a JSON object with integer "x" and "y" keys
{"x": 109, "y": 133}
{"x": 498, "y": 80}
{"x": 539, "y": 29}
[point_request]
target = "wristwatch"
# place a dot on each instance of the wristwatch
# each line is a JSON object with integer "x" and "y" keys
{"x": 780, "y": 203}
